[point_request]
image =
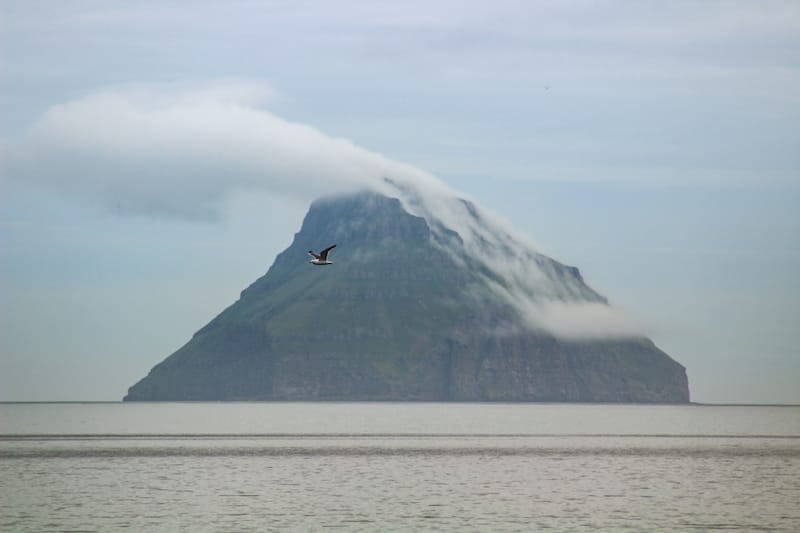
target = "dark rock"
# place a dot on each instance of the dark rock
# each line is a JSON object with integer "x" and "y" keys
{"x": 397, "y": 318}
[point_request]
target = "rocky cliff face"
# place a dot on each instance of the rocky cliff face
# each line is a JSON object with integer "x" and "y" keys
{"x": 405, "y": 313}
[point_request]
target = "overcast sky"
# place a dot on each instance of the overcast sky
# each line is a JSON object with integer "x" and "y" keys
{"x": 156, "y": 156}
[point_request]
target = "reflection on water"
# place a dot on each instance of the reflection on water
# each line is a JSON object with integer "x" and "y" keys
{"x": 443, "y": 467}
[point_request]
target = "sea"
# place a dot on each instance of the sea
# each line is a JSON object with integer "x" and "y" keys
{"x": 227, "y": 467}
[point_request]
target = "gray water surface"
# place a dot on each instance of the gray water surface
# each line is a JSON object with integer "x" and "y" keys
{"x": 398, "y": 467}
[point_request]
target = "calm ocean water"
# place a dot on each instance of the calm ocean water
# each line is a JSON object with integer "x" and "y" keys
{"x": 398, "y": 467}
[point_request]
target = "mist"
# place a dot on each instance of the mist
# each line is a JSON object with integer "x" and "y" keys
{"x": 180, "y": 151}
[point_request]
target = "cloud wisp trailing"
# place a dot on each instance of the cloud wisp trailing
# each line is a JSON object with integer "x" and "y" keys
{"x": 182, "y": 151}
{"x": 179, "y": 152}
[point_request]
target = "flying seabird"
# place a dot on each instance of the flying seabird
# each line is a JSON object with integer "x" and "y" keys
{"x": 322, "y": 257}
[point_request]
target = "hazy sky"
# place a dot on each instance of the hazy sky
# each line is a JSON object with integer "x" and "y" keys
{"x": 156, "y": 156}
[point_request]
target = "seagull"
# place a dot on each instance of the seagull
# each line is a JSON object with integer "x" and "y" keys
{"x": 321, "y": 258}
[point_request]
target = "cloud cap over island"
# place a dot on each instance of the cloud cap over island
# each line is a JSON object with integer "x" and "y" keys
{"x": 179, "y": 151}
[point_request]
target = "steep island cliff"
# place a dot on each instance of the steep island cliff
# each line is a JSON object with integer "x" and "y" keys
{"x": 404, "y": 313}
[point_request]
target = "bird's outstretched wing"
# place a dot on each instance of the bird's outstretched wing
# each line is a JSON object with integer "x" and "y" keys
{"x": 312, "y": 254}
{"x": 324, "y": 253}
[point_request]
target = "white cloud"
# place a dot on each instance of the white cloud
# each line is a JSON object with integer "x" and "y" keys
{"x": 179, "y": 151}
{"x": 584, "y": 320}
{"x": 182, "y": 151}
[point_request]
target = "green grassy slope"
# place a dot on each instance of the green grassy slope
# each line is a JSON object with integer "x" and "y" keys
{"x": 395, "y": 317}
